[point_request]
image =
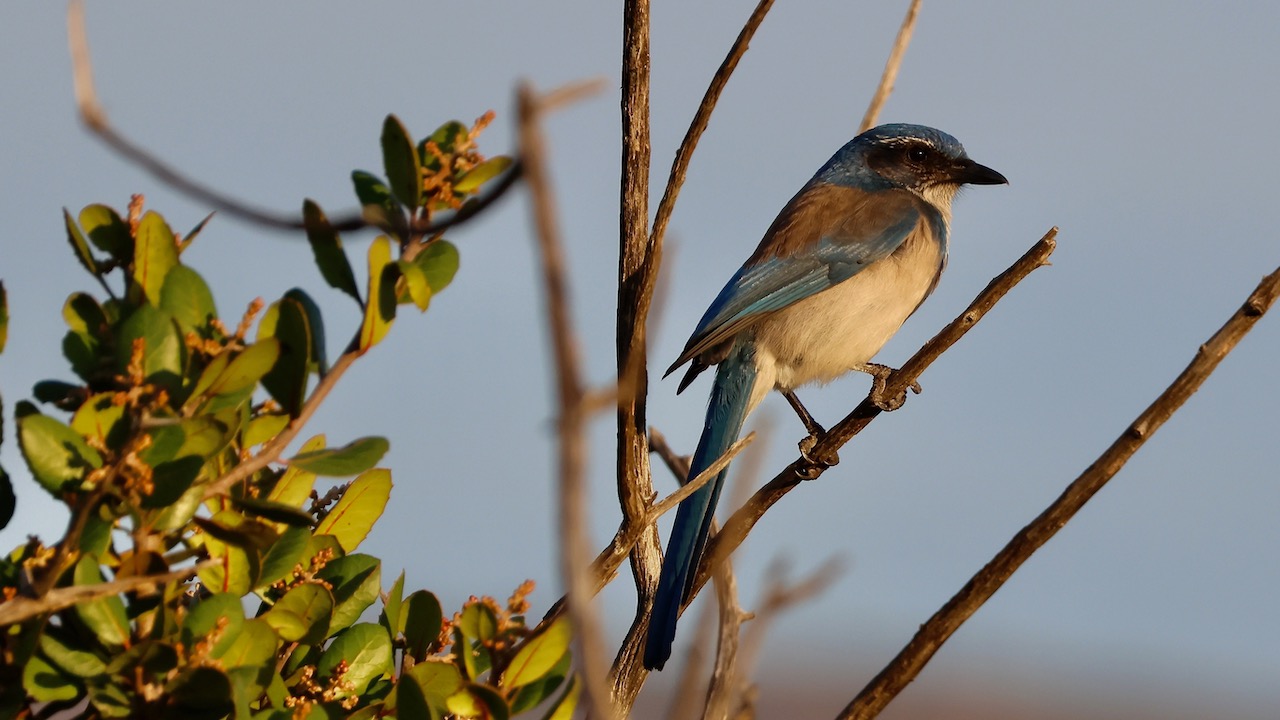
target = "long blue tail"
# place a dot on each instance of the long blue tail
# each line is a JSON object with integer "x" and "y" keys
{"x": 726, "y": 411}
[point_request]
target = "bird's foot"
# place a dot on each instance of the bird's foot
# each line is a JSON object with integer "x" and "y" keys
{"x": 880, "y": 397}
{"x": 815, "y": 462}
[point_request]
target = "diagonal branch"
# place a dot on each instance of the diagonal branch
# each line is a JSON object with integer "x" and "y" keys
{"x": 891, "y": 66}
{"x": 95, "y": 119}
{"x": 23, "y": 608}
{"x": 736, "y": 528}
{"x": 912, "y": 659}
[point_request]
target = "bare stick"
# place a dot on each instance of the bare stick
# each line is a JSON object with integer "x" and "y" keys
{"x": 95, "y": 119}
{"x": 23, "y": 608}
{"x": 736, "y": 527}
{"x": 891, "y": 66}
{"x": 571, "y": 395}
{"x": 912, "y": 659}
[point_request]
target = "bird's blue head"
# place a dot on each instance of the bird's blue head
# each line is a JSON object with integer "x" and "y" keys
{"x": 928, "y": 162}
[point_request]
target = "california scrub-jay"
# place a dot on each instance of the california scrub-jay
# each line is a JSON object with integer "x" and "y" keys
{"x": 848, "y": 259}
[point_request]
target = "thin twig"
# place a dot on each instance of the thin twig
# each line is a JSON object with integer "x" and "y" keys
{"x": 908, "y": 663}
{"x": 891, "y": 66}
{"x": 571, "y": 396}
{"x": 736, "y": 527}
{"x": 23, "y": 608}
{"x": 95, "y": 119}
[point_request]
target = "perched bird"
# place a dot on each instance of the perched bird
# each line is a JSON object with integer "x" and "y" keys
{"x": 848, "y": 259}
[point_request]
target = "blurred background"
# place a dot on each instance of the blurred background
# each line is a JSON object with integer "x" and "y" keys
{"x": 1144, "y": 130}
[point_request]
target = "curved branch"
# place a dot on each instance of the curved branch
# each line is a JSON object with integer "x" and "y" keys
{"x": 912, "y": 659}
{"x": 891, "y": 66}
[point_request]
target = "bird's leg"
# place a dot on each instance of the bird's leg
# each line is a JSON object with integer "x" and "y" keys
{"x": 879, "y": 380}
{"x": 815, "y": 431}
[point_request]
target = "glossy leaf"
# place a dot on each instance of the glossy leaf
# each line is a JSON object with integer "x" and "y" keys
{"x": 539, "y": 654}
{"x": 104, "y": 616}
{"x": 350, "y": 459}
{"x": 287, "y": 379}
{"x": 107, "y": 231}
{"x": 302, "y": 614}
{"x": 357, "y": 582}
{"x": 263, "y": 428}
{"x": 422, "y": 618}
{"x": 187, "y": 298}
{"x": 481, "y": 174}
{"x": 246, "y": 369}
{"x": 78, "y": 244}
{"x": 163, "y": 348}
{"x": 285, "y": 553}
{"x": 101, "y": 419}
{"x": 332, "y": 260}
{"x": 439, "y": 263}
{"x": 416, "y": 287}
{"x": 360, "y": 507}
{"x": 294, "y": 486}
{"x": 535, "y": 693}
{"x": 380, "y": 311}
{"x": 366, "y": 649}
{"x": 399, "y": 159}
{"x": 438, "y": 680}
{"x": 478, "y": 622}
{"x": 58, "y": 456}
{"x": 254, "y": 644}
{"x": 154, "y": 255}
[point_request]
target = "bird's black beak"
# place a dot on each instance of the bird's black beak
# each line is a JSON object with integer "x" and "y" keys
{"x": 968, "y": 172}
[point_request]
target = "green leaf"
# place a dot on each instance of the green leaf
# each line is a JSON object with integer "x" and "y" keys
{"x": 107, "y": 231}
{"x": 78, "y": 244}
{"x": 163, "y": 349}
{"x": 404, "y": 172}
{"x": 294, "y": 486}
{"x": 422, "y": 618}
{"x": 380, "y": 311}
{"x": 567, "y": 704}
{"x": 218, "y": 617}
{"x": 155, "y": 254}
{"x": 237, "y": 566}
{"x": 190, "y": 237}
{"x": 350, "y": 459}
{"x": 411, "y": 702}
{"x": 332, "y": 260}
{"x": 103, "y": 420}
{"x": 302, "y": 615}
{"x": 315, "y": 323}
{"x": 392, "y": 604}
{"x": 263, "y": 428}
{"x": 46, "y": 683}
{"x": 481, "y": 174}
{"x": 381, "y": 209}
{"x": 274, "y": 511}
{"x": 446, "y": 138}
{"x": 477, "y": 622}
{"x": 539, "y": 654}
{"x": 356, "y": 582}
{"x": 58, "y": 456}
{"x": 246, "y": 369}
{"x": 439, "y": 263}
{"x": 284, "y": 554}
{"x": 478, "y": 700}
{"x": 438, "y": 680}
{"x": 186, "y": 297}
{"x": 110, "y": 700}
{"x": 69, "y": 655}
{"x": 535, "y": 693}
{"x": 366, "y": 649}
{"x": 104, "y": 616}
{"x": 83, "y": 314}
{"x": 254, "y": 644}
{"x": 287, "y": 379}
{"x": 360, "y": 507}
{"x": 416, "y": 287}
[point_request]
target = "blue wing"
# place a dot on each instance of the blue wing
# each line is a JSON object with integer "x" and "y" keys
{"x": 824, "y": 236}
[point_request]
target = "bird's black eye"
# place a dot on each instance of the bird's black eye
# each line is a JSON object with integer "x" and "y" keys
{"x": 917, "y": 154}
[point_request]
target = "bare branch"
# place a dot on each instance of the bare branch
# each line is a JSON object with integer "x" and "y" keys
{"x": 742, "y": 521}
{"x": 23, "y": 608}
{"x": 912, "y": 659}
{"x": 95, "y": 119}
{"x": 891, "y": 66}
{"x": 572, "y": 398}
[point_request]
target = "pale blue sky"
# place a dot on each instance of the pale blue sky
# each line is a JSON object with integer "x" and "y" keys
{"x": 1143, "y": 130}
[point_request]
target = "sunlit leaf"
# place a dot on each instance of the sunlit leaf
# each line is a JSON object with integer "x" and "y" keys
{"x": 263, "y": 428}
{"x": 254, "y": 644}
{"x": 411, "y": 702}
{"x": 538, "y": 691}
{"x": 539, "y": 654}
{"x": 302, "y": 614}
{"x": 45, "y": 683}
{"x": 101, "y": 419}
{"x": 155, "y": 254}
{"x": 294, "y": 486}
{"x": 567, "y": 704}
{"x": 58, "y": 456}
{"x": 439, "y": 263}
{"x": 392, "y": 603}
{"x": 478, "y": 622}
{"x": 357, "y": 582}
{"x": 187, "y": 298}
{"x": 163, "y": 349}
{"x": 284, "y": 554}
{"x": 246, "y": 369}
{"x": 217, "y": 619}
{"x": 438, "y": 680}
{"x": 350, "y": 459}
{"x": 404, "y": 173}
{"x": 107, "y": 231}
{"x": 236, "y": 567}
{"x": 421, "y": 620}
{"x": 416, "y": 287}
{"x": 366, "y": 649}
{"x": 78, "y": 244}
{"x": 481, "y": 174}
{"x": 69, "y": 655}
{"x": 332, "y": 260}
{"x": 360, "y": 507}
{"x": 104, "y": 616}
{"x": 380, "y": 311}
